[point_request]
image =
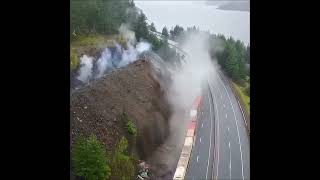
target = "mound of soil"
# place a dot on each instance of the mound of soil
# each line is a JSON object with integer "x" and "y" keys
{"x": 96, "y": 108}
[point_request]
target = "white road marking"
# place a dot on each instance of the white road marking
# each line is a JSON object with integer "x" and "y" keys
{"x": 197, "y": 158}
{"x": 230, "y": 160}
{"x": 235, "y": 119}
{"x": 224, "y": 105}
{"x": 202, "y": 125}
{"x": 210, "y": 138}
{"x": 218, "y": 135}
{"x": 226, "y": 116}
{"x": 200, "y": 139}
{"x": 228, "y": 129}
{"x": 219, "y": 91}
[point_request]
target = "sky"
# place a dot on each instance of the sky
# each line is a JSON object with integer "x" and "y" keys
{"x": 198, "y": 13}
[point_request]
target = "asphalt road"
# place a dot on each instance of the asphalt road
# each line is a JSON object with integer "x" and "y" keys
{"x": 222, "y": 147}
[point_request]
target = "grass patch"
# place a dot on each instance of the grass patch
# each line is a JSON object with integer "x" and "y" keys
{"x": 93, "y": 40}
{"x": 74, "y": 59}
{"x": 122, "y": 164}
{"x": 243, "y": 96}
{"x": 88, "y": 41}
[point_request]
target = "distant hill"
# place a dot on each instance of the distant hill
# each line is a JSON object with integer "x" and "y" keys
{"x": 231, "y": 5}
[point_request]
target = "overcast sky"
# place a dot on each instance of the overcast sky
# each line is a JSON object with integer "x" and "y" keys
{"x": 198, "y": 13}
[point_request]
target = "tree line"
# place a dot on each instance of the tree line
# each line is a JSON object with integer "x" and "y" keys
{"x": 105, "y": 17}
{"x": 98, "y": 16}
{"x": 233, "y": 58}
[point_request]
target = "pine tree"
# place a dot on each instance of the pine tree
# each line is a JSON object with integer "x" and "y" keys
{"x": 152, "y": 27}
{"x": 165, "y": 32}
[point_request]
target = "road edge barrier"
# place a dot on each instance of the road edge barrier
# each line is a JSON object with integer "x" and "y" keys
{"x": 189, "y": 141}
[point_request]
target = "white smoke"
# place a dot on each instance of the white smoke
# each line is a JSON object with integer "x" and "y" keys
{"x": 103, "y": 62}
{"x": 127, "y": 33}
{"x": 128, "y": 56}
{"x": 197, "y": 68}
{"x": 142, "y": 47}
{"x": 187, "y": 82}
{"x": 120, "y": 57}
{"x": 85, "y": 71}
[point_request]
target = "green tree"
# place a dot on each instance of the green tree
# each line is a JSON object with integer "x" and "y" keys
{"x": 230, "y": 61}
{"x": 140, "y": 27}
{"x": 248, "y": 54}
{"x": 97, "y": 16}
{"x": 152, "y": 27}
{"x": 233, "y": 58}
{"x": 177, "y": 30}
{"x": 89, "y": 159}
{"x": 122, "y": 165}
{"x": 165, "y": 32}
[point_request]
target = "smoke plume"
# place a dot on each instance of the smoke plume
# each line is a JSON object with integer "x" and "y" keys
{"x": 103, "y": 62}
{"x": 187, "y": 82}
{"x": 85, "y": 69}
{"x": 196, "y": 69}
{"x": 111, "y": 58}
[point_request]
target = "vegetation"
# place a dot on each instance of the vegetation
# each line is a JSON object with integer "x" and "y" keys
{"x": 247, "y": 90}
{"x": 88, "y": 40}
{"x": 93, "y": 20}
{"x": 165, "y": 32}
{"x": 152, "y": 27}
{"x": 74, "y": 63}
{"x": 233, "y": 58}
{"x": 89, "y": 159}
{"x": 97, "y": 16}
{"x": 122, "y": 165}
{"x": 177, "y": 31}
{"x": 131, "y": 127}
{"x": 244, "y": 98}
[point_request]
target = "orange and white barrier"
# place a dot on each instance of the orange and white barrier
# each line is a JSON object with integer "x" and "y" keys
{"x": 189, "y": 141}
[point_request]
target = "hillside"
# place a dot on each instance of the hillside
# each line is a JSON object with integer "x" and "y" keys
{"x": 97, "y": 108}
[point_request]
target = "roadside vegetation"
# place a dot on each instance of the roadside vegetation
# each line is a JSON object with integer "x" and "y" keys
{"x": 233, "y": 59}
{"x": 92, "y": 162}
{"x": 122, "y": 164}
{"x": 244, "y": 92}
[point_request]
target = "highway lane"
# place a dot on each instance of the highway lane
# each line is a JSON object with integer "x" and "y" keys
{"x": 200, "y": 164}
{"x": 230, "y": 149}
{"x": 222, "y": 147}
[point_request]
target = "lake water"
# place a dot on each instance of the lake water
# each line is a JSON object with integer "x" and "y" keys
{"x": 190, "y": 13}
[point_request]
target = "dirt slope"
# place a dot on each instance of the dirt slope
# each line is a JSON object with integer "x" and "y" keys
{"x": 96, "y": 109}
